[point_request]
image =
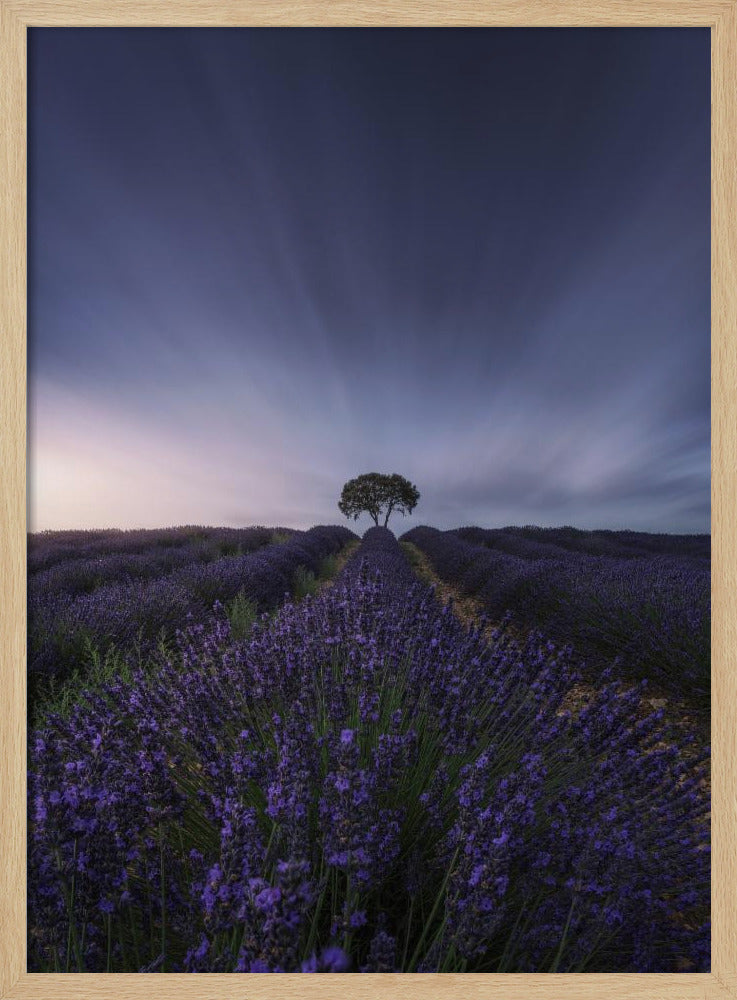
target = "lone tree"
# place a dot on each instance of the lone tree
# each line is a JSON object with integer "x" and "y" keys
{"x": 378, "y": 495}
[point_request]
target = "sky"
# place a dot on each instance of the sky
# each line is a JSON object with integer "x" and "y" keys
{"x": 265, "y": 261}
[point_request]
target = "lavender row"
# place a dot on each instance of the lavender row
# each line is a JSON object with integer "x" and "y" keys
{"x": 364, "y": 785}
{"x": 53, "y": 548}
{"x": 64, "y": 628}
{"x": 652, "y": 614}
{"x": 82, "y": 575}
{"x": 513, "y": 544}
{"x": 534, "y": 542}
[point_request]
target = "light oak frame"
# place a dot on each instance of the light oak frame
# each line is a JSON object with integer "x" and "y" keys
{"x": 18, "y": 15}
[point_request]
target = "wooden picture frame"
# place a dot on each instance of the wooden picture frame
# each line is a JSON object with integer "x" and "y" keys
{"x": 720, "y": 16}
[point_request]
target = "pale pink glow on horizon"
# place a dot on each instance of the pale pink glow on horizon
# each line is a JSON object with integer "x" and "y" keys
{"x": 92, "y": 466}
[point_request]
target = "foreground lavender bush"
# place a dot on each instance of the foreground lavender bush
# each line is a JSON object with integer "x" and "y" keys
{"x": 651, "y": 612}
{"x": 364, "y": 785}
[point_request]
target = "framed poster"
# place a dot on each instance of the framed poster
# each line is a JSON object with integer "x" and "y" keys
{"x": 269, "y": 248}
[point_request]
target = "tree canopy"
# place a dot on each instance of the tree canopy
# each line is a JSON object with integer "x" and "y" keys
{"x": 378, "y": 495}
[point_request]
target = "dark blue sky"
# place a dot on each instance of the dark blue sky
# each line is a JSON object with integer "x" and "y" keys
{"x": 265, "y": 261}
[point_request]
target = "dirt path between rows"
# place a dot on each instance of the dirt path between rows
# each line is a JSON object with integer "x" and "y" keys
{"x": 341, "y": 559}
{"x": 466, "y": 609}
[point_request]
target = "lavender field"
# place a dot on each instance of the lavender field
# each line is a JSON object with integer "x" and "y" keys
{"x": 263, "y": 750}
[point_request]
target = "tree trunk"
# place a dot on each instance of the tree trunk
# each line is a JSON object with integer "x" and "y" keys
{"x": 376, "y": 519}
